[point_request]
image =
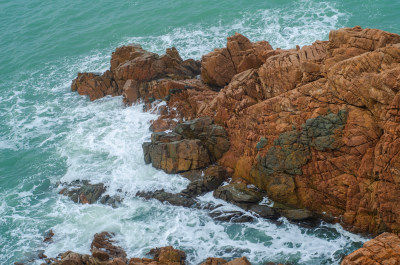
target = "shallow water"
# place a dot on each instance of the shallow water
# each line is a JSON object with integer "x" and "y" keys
{"x": 49, "y": 134}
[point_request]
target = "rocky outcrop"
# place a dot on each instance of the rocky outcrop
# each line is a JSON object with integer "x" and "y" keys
{"x": 192, "y": 145}
{"x": 315, "y": 127}
{"x": 383, "y": 249}
{"x": 105, "y": 252}
{"x": 219, "y": 66}
{"x": 85, "y": 193}
{"x": 139, "y": 66}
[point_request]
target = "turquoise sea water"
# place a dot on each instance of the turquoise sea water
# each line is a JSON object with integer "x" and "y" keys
{"x": 48, "y": 133}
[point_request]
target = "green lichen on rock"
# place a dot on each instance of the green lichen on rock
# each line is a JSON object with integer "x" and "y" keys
{"x": 291, "y": 150}
{"x": 262, "y": 143}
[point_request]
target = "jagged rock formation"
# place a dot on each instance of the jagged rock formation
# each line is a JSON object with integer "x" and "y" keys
{"x": 315, "y": 127}
{"x": 383, "y": 249}
{"x": 140, "y": 67}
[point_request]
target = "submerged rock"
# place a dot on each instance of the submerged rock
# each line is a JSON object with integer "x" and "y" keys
{"x": 85, "y": 193}
{"x": 177, "y": 199}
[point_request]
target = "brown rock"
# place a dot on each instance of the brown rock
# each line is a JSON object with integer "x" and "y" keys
{"x": 136, "y": 64}
{"x": 200, "y": 143}
{"x": 219, "y": 66}
{"x": 102, "y": 248}
{"x": 214, "y": 261}
{"x": 239, "y": 261}
{"x": 168, "y": 255}
{"x": 384, "y": 249}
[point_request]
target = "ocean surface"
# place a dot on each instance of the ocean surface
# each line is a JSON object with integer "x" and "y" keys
{"x": 49, "y": 134}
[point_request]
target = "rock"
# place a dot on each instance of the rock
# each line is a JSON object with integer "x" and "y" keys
{"x": 192, "y": 145}
{"x": 237, "y": 194}
{"x": 84, "y": 192}
{"x": 239, "y": 261}
{"x": 131, "y": 68}
{"x": 177, "y": 199}
{"x": 214, "y": 261}
{"x": 219, "y": 66}
{"x": 103, "y": 249}
{"x": 208, "y": 180}
{"x": 95, "y": 85}
{"x": 230, "y": 216}
{"x": 48, "y": 236}
{"x": 329, "y": 114}
{"x": 168, "y": 255}
{"x": 264, "y": 211}
{"x": 383, "y": 249}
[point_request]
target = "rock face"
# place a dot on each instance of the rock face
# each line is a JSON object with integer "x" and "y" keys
{"x": 192, "y": 145}
{"x": 139, "y": 67}
{"x": 315, "y": 127}
{"x": 384, "y": 249}
{"x": 219, "y": 66}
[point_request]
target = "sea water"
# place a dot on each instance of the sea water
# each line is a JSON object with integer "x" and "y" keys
{"x": 50, "y": 134}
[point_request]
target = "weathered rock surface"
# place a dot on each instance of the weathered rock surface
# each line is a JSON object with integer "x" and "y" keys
{"x": 383, "y": 249}
{"x": 139, "y": 66}
{"x": 192, "y": 145}
{"x": 315, "y": 127}
{"x": 219, "y": 66}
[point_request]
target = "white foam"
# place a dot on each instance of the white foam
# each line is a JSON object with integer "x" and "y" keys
{"x": 296, "y": 23}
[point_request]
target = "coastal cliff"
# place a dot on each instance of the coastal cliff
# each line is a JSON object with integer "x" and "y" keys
{"x": 316, "y": 127}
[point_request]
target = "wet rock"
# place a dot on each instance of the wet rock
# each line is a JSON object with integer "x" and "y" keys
{"x": 176, "y": 199}
{"x": 264, "y": 211}
{"x": 383, "y": 249}
{"x": 83, "y": 192}
{"x": 214, "y": 261}
{"x": 192, "y": 145}
{"x": 239, "y": 261}
{"x": 238, "y": 194}
{"x": 103, "y": 249}
{"x": 204, "y": 181}
{"x": 168, "y": 255}
{"x": 231, "y": 216}
{"x": 48, "y": 236}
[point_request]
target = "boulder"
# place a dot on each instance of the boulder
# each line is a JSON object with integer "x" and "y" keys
{"x": 103, "y": 249}
{"x": 192, "y": 145}
{"x": 83, "y": 192}
{"x": 168, "y": 255}
{"x": 238, "y": 194}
